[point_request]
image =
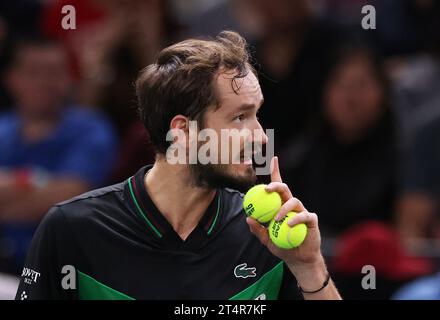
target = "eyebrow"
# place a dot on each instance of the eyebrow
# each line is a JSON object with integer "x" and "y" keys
{"x": 247, "y": 106}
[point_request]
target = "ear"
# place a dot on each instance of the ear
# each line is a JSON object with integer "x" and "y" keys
{"x": 179, "y": 122}
{"x": 179, "y": 126}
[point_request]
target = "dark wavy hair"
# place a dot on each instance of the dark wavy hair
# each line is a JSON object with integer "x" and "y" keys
{"x": 180, "y": 81}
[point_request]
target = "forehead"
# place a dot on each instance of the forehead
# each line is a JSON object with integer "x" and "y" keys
{"x": 247, "y": 89}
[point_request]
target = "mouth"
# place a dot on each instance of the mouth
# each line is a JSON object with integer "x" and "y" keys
{"x": 247, "y": 155}
{"x": 246, "y": 160}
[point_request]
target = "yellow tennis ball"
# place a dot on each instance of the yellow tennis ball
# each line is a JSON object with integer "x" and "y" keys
{"x": 283, "y": 236}
{"x": 260, "y": 204}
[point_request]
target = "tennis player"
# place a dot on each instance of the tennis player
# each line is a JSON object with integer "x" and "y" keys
{"x": 178, "y": 230}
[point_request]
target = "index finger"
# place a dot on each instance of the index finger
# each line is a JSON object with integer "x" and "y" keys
{"x": 275, "y": 175}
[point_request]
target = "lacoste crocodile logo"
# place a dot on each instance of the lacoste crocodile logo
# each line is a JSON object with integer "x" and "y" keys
{"x": 241, "y": 271}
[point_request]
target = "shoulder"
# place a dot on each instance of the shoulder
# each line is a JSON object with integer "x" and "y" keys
{"x": 8, "y": 121}
{"x": 232, "y": 201}
{"x": 233, "y": 220}
{"x": 8, "y": 133}
{"x": 93, "y": 199}
{"x": 87, "y": 119}
{"x": 88, "y": 209}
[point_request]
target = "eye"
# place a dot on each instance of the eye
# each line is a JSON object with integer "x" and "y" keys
{"x": 239, "y": 118}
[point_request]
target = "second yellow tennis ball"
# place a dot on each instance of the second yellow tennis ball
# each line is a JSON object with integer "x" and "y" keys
{"x": 283, "y": 236}
{"x": 260, "y": 204}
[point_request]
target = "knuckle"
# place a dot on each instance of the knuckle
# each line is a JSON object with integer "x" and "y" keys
{"x": 280, "y": 185}
{"x": 290, "y": 204}
{"x": 284, "y": 208}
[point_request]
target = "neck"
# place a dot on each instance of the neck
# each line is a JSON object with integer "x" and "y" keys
{"x": 189, "y": 202}
{"x": 35, "y": 127}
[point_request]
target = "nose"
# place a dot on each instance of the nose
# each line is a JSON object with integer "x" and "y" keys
{"x": 259, "y": 135}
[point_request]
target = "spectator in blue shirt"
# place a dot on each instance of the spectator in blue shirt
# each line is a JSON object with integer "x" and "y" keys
{"x": 50, "y": 150}
{"x": 427, "y": 288}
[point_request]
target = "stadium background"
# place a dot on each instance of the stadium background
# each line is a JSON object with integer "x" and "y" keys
{"x": 356, "y": 115}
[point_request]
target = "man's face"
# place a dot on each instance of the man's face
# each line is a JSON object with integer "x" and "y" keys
{"x": 354, "y": 97}
{"x": 237, "y": 112}
{"x": 39, "y": 81}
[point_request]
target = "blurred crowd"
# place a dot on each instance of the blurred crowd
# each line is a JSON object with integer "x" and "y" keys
{"x": 356, "y": 115}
